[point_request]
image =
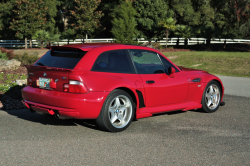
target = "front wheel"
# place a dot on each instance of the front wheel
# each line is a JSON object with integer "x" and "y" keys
{"x": 211, "y": 97}
{"x": 117, "y": 112}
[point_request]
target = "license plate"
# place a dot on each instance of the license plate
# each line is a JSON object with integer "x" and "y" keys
{"x": 44, "y": 82}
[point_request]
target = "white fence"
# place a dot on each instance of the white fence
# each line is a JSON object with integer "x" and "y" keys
{"x": 171, "y": 41}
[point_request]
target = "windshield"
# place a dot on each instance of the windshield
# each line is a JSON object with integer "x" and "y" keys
{"x": 61, "y": 58}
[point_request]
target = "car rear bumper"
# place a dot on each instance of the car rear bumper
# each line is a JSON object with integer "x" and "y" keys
{"x": 69, "y": 105}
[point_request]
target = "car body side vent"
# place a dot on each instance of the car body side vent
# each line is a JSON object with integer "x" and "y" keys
{"x": 141, "y": 100}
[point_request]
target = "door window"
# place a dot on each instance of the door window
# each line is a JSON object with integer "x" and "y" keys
{"x": 146, "y": 62}
{"x": 167, "y": 64}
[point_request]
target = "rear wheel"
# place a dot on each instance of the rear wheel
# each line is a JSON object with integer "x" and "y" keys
{"x": 211, "y": 97}
{"x": 117, "y": 112}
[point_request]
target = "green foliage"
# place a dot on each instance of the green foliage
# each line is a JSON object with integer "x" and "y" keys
{"x": 124, "y": 23}
{"x": 184, "y": 31}
{"x": 5, "y": 52}
{"x": 8, "y": 81}
{"x": 169, "y": 25}
{"x": 69, "y": 34}
{"x": 150, "y": 13}
{"x": 41, "y": 35}
{"x": 26, "y": 59}
{"x": 21, "y": 19}
{"x": 3, "y": 56}
{"x": 86, "y": 17}
{"x": 185, "y": 12}
{"x": 30, "y": 16}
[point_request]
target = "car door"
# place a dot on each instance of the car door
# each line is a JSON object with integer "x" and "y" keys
{"x": 159, "y": 87}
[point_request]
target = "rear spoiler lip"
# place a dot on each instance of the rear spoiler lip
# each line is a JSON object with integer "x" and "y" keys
{"x": 68, "y": 47}
{"x": 47, "y": 67}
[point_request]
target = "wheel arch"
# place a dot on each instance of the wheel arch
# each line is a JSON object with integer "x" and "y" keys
{"x": 131, "y": 93}
{"x": 221, "y": 87}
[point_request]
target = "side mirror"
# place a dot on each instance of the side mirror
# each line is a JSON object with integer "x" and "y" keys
{"x": 171, "y": 72}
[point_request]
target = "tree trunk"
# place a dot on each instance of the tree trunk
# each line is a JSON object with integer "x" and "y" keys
{"x": 41, "y": 43}
{"x": 225, "y": 42}
{"x": 86, "y": 38}
{"x": 26, "y": 44}
{"x": 30, "y": 43}
{"x": 186, "y": 42}
{"x": 208, "y": 43}
{"x": 166, "y": 38}
{"x": 178, "y": 42}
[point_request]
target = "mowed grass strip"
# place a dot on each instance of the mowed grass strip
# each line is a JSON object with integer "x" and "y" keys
{"x": 221, "y": 63}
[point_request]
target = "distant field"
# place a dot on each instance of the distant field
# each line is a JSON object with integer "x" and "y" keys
{"x": 221, "y": 63}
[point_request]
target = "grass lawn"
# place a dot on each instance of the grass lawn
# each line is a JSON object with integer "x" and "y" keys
{"x": 221, "y": 63}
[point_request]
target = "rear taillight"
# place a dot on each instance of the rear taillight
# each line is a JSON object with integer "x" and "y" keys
{"x": 75, "y": 87}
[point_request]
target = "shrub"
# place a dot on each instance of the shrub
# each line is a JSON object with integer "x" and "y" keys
{"x": 26, "y": 59}
{"x": 9, "y": 53}
{"x": 3, "y": 56}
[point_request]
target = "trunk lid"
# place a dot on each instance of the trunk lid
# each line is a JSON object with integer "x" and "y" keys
{"x": 47, "y": 77}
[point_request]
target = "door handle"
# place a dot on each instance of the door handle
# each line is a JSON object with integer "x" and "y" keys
{"x": 150, "y": 81}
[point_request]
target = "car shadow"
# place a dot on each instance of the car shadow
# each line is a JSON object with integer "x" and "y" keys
{"x": 47, "y": 119}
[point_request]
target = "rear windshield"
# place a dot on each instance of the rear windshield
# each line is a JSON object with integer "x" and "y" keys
{"x": 61, "y": 58}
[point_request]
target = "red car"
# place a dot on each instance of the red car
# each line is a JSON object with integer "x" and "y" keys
{"x": 114, "y": 83}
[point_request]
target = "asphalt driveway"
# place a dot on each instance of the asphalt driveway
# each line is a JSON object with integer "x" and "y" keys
{"x": 180, "y": 138}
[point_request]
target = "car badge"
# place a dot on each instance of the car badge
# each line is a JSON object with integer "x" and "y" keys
{"x": 44, "y": 74}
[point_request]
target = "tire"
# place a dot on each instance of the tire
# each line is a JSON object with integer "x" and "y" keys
{"x": 117, "y": 112}
{"x": 211, "y": 97}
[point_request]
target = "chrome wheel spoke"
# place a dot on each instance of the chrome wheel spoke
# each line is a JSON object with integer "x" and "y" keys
{"x": 211, "y": 89}
{"x": 113, "y": 119}
{"x": 117, "y": 103}
{"x": 212, "y": 96}
{"x": 209, "y": 102}
{"x": 120, "y": 111}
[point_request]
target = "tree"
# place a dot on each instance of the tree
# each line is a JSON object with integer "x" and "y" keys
{"x": 41, "y": 35}
{"x": 86, "y": 17}
{"x": 30, "y": 16}
{"x": 150, "y": 13}
{"x": 107, "y": 7}
{"x": 169, "y": 25}
{"x": 184, "y": 12}
{"x": 124, "y": 23}
{"x": 184, "y": 31}
{"x": 6, "y": 16}
{"x": 69, "y": 34}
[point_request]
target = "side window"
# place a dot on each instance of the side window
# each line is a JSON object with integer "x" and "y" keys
{"x": 167, "y": 64}
{"x": 117, "y": 61}
{"x": 146, "y": 62}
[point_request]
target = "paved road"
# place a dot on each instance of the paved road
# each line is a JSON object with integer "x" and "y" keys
{"x": 181, "y": 138}
{"x": 237, "y": 86}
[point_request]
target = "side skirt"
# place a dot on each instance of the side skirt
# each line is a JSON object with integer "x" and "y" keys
{"x": 149, "y": 111}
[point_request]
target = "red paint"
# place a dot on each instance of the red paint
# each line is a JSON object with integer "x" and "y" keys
{"x": 85, "y": 101}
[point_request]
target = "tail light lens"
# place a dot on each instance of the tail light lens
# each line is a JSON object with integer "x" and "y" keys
{"x": 75, "y": 87}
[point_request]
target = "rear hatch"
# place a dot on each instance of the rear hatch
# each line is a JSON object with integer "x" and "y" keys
{"x": 51, "y": 71}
